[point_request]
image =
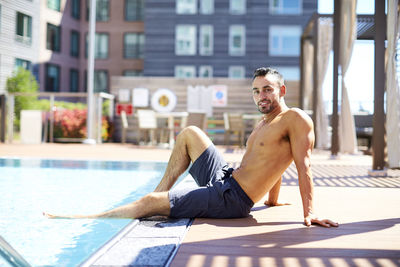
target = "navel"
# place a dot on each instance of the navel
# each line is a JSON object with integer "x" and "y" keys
{"x": 261, "y": 144}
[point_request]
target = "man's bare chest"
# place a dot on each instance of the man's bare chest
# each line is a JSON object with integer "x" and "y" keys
{"x": 269, "y": 134}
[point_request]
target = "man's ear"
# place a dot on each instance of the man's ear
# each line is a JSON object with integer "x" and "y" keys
{"x": 282, "y": 91}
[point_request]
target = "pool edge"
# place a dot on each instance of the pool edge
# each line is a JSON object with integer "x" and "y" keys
{"x": 92, "y": 258}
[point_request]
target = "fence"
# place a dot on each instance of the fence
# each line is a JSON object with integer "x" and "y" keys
{"x": 9, "y": 114}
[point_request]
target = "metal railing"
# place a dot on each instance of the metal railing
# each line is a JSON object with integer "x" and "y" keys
{"x": 11, "y": 255}
{"x": 98, "y": 103}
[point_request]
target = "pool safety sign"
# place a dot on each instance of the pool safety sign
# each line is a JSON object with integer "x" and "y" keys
{"x": 140, "y": 97}
{"x": 219, "y": 95}
{"x": 124, "y": 95}
{"x": 199, "y": 98}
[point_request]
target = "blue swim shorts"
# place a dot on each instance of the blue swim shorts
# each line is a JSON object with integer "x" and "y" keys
{"x": 217, "y": 194}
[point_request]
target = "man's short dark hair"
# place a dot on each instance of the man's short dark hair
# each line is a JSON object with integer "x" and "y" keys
{"x": 262, "y": 72}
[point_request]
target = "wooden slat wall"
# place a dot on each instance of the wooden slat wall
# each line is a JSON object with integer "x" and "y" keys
{"x": 239, "y": 94}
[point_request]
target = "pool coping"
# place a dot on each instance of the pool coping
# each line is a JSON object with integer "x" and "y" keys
{"x": 118, "y": 239}
{"x": 105, "y": 247}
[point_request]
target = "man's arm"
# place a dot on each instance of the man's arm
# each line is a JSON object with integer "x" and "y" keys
{"x": 273, "y": 195}
{"x": 301, "y": 134}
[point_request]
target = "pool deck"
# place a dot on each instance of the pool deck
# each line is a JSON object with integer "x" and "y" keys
{"x": 367, "y": 208}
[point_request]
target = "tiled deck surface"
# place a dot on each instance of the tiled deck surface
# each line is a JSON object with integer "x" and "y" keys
{"x": 367, "y": 208}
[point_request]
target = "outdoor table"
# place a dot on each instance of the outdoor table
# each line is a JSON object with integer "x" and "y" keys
{"x": 256, "y": 117}
{"x": 170, "y": 116}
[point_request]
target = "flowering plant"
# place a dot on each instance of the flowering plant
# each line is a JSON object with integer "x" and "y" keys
{"x": 72, "y": 124}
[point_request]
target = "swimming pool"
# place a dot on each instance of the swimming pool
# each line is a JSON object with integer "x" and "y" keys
{"x": 30, "y": 186}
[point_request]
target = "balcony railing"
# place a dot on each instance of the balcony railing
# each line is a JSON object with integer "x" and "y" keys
{"x": 23, "y": 39}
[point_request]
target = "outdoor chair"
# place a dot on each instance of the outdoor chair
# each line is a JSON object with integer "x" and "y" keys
{"x": 233, "y": 123}
{"x": 198, "y": 119}
{"x": 147, "y": 123}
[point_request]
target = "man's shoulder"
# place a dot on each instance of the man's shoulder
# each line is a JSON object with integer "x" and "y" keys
{"x": 297, "y": 117}
{"x": 296, "y": 112}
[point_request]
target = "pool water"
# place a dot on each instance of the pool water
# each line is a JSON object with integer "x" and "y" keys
{"x": 30, "y": 186}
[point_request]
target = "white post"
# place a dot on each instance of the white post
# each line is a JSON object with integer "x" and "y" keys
{"x": 10, "y": 126}
{"x": 90, "y": 73}
{"x": 52, "y": 110}
{"x": 99, "y": 118}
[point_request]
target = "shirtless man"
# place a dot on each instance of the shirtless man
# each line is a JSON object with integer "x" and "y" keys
{"x": 282, "y": 136}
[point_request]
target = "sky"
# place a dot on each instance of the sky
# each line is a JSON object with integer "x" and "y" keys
{"x": 360, "y": 77}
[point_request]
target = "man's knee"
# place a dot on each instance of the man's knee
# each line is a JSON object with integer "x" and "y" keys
{"x": 155, "y": 197}
{"x": 194, "y": 134}
{"x": 190, "y": 131}
{"x": 158, "y": 201}
{"x": 194, "y": 141}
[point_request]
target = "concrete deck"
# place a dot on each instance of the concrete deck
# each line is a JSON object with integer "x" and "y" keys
{"x": 367, "y": 209}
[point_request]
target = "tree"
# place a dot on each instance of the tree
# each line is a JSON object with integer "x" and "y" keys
{"x": 24, "y": 82}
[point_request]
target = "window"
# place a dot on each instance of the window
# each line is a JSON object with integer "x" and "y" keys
{"x": 237, "y": 72}
{"x": 237, "y": 40}
{"x": 53, "y": 37}
{"x": 76, "y": 9}
{"x": 22, "y": 63}
{"x": 100, "y": 45}
{"x": 185, "y": 72}
{"x": 133, "y": 45}
{"x": 134, "y": 10}
{"x": 73, "y": 80}
{"x": 206, "y": 44}
{"x": 100, "y": 83}
{"x": 53, "y": 4}
{"x": 284, "y": 40}
{"x": 237, "y": 7}
{"x": 102, "y": 10}
{"x": 206, "y": 7}
{"x": 185, "y": 40}
{"x": 0, "y": 18}
{"x": 186, "y": 6}
{"x": 289, "y": 73}
{"x": 205, "y": 71}
{"x": 24, "y": 28}
{"x": 52, "y": 78}
{"x": 133, "y": 73}
{"x": 74, "y": 50}
{"x": 285, "y": 6}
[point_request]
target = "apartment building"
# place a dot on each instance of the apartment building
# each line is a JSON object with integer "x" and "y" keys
{"x": 19, "y": 37}
{"x": 224, "y": 38}
{"x": 172, "y": 38}
{"x": 119, "y": 43}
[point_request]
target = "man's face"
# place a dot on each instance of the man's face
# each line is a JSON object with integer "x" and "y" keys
{"x": 266, "y": 93}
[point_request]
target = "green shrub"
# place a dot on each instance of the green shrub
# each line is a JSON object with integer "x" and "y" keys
{"x": 22, "y": 81}
{"x": 70, "y": 117}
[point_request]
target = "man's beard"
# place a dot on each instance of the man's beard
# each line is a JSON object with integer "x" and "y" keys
{"x": 271, "y": 105}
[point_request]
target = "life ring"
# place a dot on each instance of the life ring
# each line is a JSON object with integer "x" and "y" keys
{"x": 163, "y": 100}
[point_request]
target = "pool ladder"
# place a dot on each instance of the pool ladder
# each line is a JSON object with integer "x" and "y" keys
{"x": 11, "y": 255}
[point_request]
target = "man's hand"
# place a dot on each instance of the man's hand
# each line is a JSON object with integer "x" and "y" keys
{"x": 275, "y": 204}
{"x": 312, "y": 219}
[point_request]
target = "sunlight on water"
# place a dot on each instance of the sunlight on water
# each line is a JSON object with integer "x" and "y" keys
{"x": 27, "y": 191}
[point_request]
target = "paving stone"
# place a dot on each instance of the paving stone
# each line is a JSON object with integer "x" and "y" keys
{"x": 139, "y": 252}
{"x": 168, "y": 228}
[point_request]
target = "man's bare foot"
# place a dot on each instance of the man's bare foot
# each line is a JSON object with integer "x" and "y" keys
{"x": 270, "y": 204}
{"x": 52, "y": 216}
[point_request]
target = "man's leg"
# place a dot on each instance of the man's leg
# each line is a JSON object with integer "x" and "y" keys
{"x": 190, "y": 144}
{"x": 156, "y": 203}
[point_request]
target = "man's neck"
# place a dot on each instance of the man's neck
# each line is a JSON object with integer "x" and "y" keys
{"x": 278, "y": 110}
